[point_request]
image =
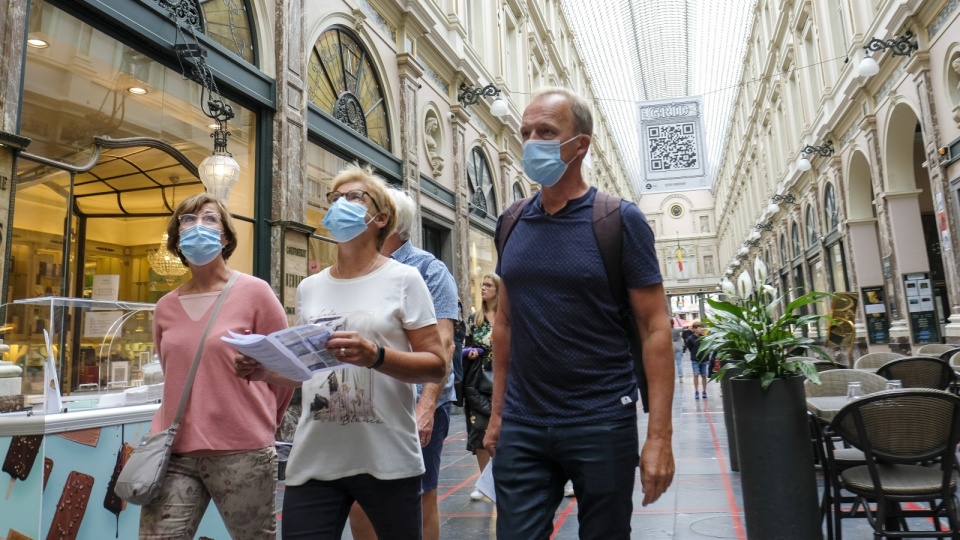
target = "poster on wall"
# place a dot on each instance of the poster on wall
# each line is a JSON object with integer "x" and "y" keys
{"x": 875, "y": 309}
{"x": 924, "y": 327}
{"x": 672, "y": 145}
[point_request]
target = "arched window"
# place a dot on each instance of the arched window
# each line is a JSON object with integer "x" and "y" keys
{"x": 344, "y": 84}
{"x": 813, "y": 236}
{"x": 831, "y": 212}
{"x": 797, "y": 248}
{"x": 517, "y": 191}
{"x": 227, "y": 23}
{"x": 482, "y": 195}
{"x": 783, "y": 252}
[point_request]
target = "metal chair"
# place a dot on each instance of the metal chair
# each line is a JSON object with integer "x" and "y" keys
{"x": 835, "y": 458}
{"x": 897, "y": 430}
{"x": 827, "y": 365}
{"x": 934, "y": 349}
{"x": 875, "y": 359}
{"x": 919, "y": 372}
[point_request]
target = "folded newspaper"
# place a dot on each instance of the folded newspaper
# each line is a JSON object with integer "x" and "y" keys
{"x": 296, "y": 352}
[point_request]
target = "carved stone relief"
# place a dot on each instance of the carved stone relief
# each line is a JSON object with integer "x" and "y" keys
{"x": 433, "y": 142}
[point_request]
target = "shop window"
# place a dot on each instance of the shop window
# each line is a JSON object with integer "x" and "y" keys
{"x": 483, "y": 260}
{"x": 344, "y": 84}
{"x": 831, "y": 212}
{"x": 482, "y": 192}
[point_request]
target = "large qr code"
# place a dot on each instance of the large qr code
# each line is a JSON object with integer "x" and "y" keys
{"x": 672, "y": 147}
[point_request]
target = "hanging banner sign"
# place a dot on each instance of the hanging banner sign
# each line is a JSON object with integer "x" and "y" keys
{"x": 672, "y": 145}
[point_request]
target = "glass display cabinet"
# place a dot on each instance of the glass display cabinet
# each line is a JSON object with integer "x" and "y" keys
{"x": 96, "y": 346}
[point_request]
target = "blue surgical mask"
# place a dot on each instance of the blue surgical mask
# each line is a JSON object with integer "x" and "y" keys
{"x": 346, "y": 220}
{"x": 200, "y": 244}
{"x": 542, "y": 161}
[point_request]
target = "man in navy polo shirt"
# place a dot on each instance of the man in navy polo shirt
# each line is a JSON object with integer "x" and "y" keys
{"x": 565, "y": 395}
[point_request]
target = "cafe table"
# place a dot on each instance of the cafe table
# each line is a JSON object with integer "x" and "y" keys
{"x": 824, "y": 408}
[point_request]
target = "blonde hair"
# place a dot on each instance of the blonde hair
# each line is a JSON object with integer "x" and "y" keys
{"x": 376, "y": 188}
{"x": 481, "y": 316}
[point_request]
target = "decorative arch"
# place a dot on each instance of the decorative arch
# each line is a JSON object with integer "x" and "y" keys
{"x": 483, "y": 192}
{"x": 227, "y": 22}
{"x": 812, "y": 228}
{"x": 859, "y": 188}
{"x": 784, "y": 255}
{"x": 343, "y": 82}
{"x": 518, "y": 192}
{"x": 899, "y": 156}
{"x": 796, "y": 247}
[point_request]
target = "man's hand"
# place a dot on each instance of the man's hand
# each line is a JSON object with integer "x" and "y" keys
{"x": 492, "y": 435}
{"x": 425, "y": 413}
{"x": 656, "y": 468}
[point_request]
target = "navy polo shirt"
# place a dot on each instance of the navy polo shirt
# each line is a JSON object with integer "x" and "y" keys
{"x": 570, "y": 360}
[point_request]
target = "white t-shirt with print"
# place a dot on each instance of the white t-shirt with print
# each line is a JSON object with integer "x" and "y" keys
{"x": 357, "y": 420}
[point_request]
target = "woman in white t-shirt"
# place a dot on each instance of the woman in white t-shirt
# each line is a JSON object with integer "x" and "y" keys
{"x": 357, "y": 436}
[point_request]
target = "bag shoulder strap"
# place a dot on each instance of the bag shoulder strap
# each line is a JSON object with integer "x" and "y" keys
{"x": 608, "y": 230}
{"x": 196, "y": 359}
{"x": 508, "y": 220}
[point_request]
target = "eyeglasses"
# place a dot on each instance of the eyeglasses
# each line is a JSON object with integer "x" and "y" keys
{"x": 487, "y": 285}
{"x": 209, "y": 219}
{"x": 354, "y": 195}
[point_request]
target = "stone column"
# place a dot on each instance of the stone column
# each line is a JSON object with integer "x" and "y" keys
{"x": 506, "y": 180}
{"x": 861, "y": 345}
{"x": 919, "y": 66}
{"x": 289, "y": 136}
{"x": 410, "y": 73}
{"x": 896, "y": 298}
{"x": 458, "y": 128}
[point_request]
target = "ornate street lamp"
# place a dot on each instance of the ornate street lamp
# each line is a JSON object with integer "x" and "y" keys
{"x": 903, "y": 45}
{"x": 468, "y": 95}
{"x": 825, "y": 150}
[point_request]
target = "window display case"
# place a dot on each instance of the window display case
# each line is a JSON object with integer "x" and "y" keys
{"x": 97, "y": 346}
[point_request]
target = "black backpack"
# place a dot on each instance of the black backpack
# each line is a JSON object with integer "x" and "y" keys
{"x": 608, "y": 231}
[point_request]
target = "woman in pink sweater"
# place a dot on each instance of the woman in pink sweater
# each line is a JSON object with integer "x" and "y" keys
{"x": 225, "y": 447}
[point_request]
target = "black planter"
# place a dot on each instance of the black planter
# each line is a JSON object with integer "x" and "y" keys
{"x": 727, "y": 400}
{"x": 776, "y": 460}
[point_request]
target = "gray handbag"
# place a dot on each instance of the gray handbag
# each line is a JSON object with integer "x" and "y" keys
{"x": 141, "y": 479}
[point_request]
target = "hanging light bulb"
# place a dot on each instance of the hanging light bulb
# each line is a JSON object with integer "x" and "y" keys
{"x": 868, "y": 67}
{"x": 803, "y": 164}
{"x": 499, "y": 107}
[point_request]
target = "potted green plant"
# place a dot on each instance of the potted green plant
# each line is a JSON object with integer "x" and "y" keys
{"x": 769, "y": 418}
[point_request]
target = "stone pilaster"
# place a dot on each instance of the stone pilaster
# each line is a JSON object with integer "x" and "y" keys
{"x": 919, "y": 66}
{"x": 410, "y": 73}
{"x": 289, "y": 133}
{"x": 899, "y": 329}
{"x": 506, "y": 180}
{"x": 13, "y": 19}
{"x": 458, "y": 126}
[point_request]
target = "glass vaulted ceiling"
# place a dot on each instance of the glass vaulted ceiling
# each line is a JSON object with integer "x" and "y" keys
{"x": 644, "y": 50}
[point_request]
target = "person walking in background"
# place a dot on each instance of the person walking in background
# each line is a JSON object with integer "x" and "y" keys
{"x": 225, "y": 447}
{"x": 676, "y": 333}
{"x": 433, "y": 399}
{"x": 701, "y": 366}
{"x": 478, "y": 370}
{"x": 367, "y": 449}
{"x": 565, "y": 392}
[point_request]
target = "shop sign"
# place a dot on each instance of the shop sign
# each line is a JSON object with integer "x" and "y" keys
{"x": 875, "y": 309}
{"x": 923, "y": 316}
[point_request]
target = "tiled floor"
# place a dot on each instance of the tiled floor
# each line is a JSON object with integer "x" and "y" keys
{"x": 704, "y": 501}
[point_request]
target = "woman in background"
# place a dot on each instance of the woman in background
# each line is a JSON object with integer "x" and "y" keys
{"x": 478, "y": 370}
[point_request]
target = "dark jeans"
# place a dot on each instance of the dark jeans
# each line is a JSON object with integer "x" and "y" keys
{"x": 318, "y": 510}
{"x": 431, "y": 452}
{"x": 533, "y": 463}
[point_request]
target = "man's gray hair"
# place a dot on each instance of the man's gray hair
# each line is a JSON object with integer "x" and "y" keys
{"x": 582, "y": 117}
{"x": 406, "y": 212}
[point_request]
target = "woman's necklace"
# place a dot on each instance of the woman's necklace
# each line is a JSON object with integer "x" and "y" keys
{"x": 336, "y": 269}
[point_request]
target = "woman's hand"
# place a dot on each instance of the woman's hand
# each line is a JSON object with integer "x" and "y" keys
{"x": 352, "y": 348}
{"x": 249, "y": 369}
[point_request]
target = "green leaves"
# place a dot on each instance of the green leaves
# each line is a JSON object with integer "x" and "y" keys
{"x": 747, "y": 331}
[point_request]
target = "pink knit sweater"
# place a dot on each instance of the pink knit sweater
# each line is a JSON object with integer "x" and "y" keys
{"x": 224, "y": 413}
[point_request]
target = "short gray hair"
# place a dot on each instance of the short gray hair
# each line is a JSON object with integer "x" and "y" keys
{"x": 582, "y": 117}
{"x": 406, "y": 212}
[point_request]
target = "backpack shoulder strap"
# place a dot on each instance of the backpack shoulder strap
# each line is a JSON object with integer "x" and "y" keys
{"x": 609, "y": 232}
{"x": 508, "y": 220}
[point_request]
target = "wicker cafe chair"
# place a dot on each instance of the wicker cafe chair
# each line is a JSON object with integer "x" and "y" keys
{"x": 919, "y": 372}
{"x": 835, "y": 458}
{"x": 896, "y": 430}
{"x": 834, "y": 383}
{"x": 875, "y": 359}
{"x": 934, "y": 349}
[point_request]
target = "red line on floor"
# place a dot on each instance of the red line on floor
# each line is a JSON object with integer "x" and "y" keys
{"x": 563, "y": 516}
{"x": 728, "y": 487}
{"x": 472, "y": 479}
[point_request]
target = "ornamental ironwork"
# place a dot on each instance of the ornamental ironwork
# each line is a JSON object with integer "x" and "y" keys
{"x": 903, "y": 45}
{"x": 349, "y": 111}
